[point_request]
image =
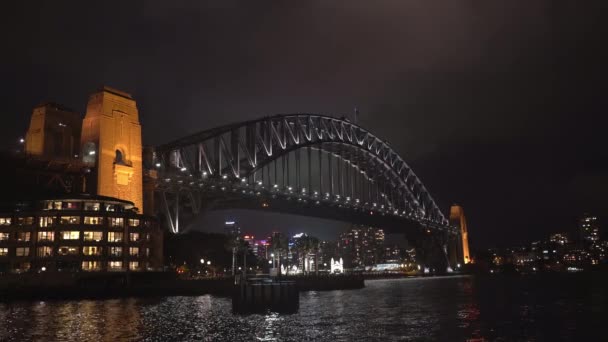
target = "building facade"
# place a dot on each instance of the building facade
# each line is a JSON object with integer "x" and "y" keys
{"x": 54, "y": 132}
{"x": 111, "y": 141}
{"x": 78, "y": 233}
{"x": 107, "y": 141}
{"x": 362, "y": 246}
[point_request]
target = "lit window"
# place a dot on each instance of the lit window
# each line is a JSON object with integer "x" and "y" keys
{"x": 93, "y": 236}
{"x": 134, "y": 237}
{"x": 23, "y": 236}
{"x": 22, "y": 251}
{"x": 67, "y": 250}
{"x": 133, "y": 251}
{"x": 46, "y": 221}
{"x": 44, "y": 251}
{"x": 25, "y": 221}
{"x": 57, "y": 205}
{"x": 91, "y": 250}
{"x": 116, "y": 251}
{"x": 4, "y": 236}
{"x": 147, "y": 252}
{"x": 46, "y": 236}
{"x": 116, "y": 221}
{"x": 91, "y": 265}
{"x": 71, "y": 205}
{"x": 70, "y": 235}
{"x": 93, "y": 220}
{"x": 69, "y": 220}
{"x": 114, "y": 236}
{"x": 109, "y": 207}
{"x": 91, "y": 206}
{"x": 133, "y": 222}
{"x": 3, "y": 251}
{"x": 5, "y": 221}
{"x": 133, "y": 265}
{"x": 115, "y": 265}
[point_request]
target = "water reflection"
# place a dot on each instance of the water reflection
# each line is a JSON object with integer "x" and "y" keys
{"x": 450, "y": 309}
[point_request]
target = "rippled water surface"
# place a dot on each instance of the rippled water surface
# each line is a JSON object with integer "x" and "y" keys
{"x": 556, "y": 307}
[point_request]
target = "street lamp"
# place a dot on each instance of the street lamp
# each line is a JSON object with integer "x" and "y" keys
{"x": 208, "y": 262}
{"x": 202, "y": 261}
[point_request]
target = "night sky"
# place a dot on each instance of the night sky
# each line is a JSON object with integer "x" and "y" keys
{"x": 497, "y": 106}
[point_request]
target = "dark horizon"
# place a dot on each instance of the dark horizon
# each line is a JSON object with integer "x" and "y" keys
{"x": 496, "y": 107}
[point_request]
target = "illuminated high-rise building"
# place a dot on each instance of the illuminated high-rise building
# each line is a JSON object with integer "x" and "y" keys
{"x": 232, "y": 228}
{"x": 458, "y": 219}
{"x": 362, "y": 246}
{"x": 589, "y": 228}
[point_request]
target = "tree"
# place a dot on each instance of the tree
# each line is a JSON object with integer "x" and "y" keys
{"x": 239, "y": 246}
{"x": 278, "y": 245}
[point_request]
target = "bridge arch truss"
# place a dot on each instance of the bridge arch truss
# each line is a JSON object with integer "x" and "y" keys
{"x": 305, "y": 157}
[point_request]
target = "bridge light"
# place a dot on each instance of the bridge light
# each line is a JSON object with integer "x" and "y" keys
{"x": 204, "y": 173}
{"x": 224, "y": 176}
{"x": 157, "y": 164}
{"x": 259, "y": 182}
{"x": 374, "y": 204}
{"x": 289, "y": 188}
{"x": 275, "y": 186}
{"x": 183, "y": 169}
{"x": 91, "y": 153}
{"x": 21, "y": 140}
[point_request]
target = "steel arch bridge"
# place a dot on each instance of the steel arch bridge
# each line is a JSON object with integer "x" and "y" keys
{"x": 316, "y": 162}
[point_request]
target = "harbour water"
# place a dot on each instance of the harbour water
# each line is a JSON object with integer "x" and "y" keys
{"x": 495, "y": 308}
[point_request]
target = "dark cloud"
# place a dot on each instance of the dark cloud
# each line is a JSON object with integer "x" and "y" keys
{"x": 499, "y": 106}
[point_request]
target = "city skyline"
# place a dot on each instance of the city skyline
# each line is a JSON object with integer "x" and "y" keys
{"x": 497, "y": 112}
{"x": 319, "y": 170}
